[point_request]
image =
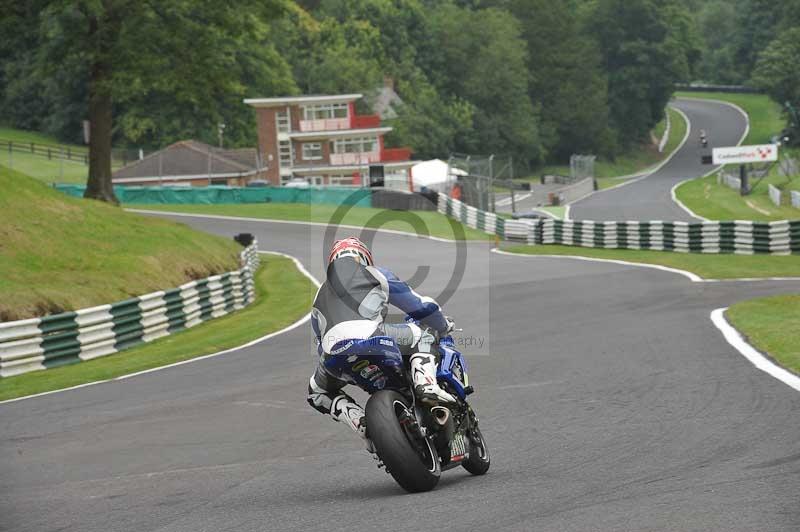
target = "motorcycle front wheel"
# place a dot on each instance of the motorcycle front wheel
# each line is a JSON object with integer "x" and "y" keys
{"x": 409, "y": 458}
{"x": 478, "y": 462}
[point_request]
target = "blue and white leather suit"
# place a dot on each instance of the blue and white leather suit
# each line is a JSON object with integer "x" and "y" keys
{"x": 352, "y": 304}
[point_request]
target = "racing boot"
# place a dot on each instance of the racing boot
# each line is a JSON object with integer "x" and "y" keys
{"x": 346, "y": 410}
{"x": 423, "y": 375}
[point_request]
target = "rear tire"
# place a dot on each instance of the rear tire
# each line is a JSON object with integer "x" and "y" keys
{"x": 479, "y": 461}
{"x": 414, "y": 469}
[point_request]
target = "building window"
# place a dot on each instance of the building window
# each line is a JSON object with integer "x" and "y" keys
{"x": 356, "y": 145}
{"x": 312, "y": 151}
{"x": 339, "y": 179}
{"x": 325, "y": 110}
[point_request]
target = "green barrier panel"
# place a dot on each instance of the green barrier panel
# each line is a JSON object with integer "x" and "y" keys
{"x": 220, "y": 194}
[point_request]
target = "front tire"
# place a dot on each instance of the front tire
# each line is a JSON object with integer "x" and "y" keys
{"x": 412, "y": 462}
{"x": 479, "y": 461}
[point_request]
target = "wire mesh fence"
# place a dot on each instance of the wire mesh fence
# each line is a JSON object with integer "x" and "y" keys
{"x": 475, "y": 179}
{"x": 581, "y": 166}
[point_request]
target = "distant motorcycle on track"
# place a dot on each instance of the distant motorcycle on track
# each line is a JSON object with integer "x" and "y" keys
{"x": 413, "y": 441}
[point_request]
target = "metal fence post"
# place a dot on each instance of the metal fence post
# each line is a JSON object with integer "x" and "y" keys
{"x": 745, "y": 186}
{"x": 491, "y": 180}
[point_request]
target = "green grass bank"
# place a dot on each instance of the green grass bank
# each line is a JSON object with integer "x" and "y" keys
{"x": 59, "y": 253}
{"x": 283, "y": 295}
{"x": 771, "y": 325}
{"x": 718, "y": 202}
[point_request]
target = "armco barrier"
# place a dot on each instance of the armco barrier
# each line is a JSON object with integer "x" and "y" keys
{"x": 71, "y": 337}
{"x": 775, "y": 195}
{"x": 223, "y": 194}
{"x": 482, "y": 220}
{"x": 741, "y": 237}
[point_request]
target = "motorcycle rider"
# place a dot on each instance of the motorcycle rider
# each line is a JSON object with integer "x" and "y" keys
{"x": 352, "y": 304}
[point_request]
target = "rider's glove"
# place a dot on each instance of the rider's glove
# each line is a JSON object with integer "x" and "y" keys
{"x": 451, "y": 325}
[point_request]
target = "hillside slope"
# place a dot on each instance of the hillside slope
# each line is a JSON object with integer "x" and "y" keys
{"x": 59, "y": 253}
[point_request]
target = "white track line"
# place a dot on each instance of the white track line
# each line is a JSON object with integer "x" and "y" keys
{"x": 295, "y": 222}
{"x": 689, "y": 275}
{"x": 692, "y": 276}
{"x": 507, "y": 201}
{"x": 680, "y": 204}
{"x": 294, "y": 325}
{"x": 751, "y": 353}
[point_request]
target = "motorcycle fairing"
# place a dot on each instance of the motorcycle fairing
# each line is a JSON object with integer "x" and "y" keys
{"x": 372, "y": 364}
{"x": 453, "y": 367}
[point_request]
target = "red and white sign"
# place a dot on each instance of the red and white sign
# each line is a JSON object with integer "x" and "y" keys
{"x": 760, "y": 153}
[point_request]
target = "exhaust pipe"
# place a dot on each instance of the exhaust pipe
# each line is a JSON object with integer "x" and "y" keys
{"x": 441, "y": 415}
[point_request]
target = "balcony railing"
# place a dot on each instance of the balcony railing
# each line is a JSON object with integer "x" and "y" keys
{"x": 396, "y": 154}
{"x": 366, "y": 121}
{"x": 355, "y": 158}
{"x": 325, "y": 124}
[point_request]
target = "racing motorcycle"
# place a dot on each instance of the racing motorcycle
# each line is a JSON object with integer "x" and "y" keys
{"x": 413, "y": 441}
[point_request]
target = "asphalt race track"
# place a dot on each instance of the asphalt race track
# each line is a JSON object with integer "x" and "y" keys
{"x": 608, "y": 399}
{"x": 649, "y": 198}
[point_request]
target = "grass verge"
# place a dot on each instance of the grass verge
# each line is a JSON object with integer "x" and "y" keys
{"x": 772, "y": 325}
{"x": 765, "y": 115}
{"x": 60, "y": 253}
{"x": 283, "y": 295}
{"x": 718, "y": 202}
{"x": 434, "y": 223}
{"x": 707, "y": 266}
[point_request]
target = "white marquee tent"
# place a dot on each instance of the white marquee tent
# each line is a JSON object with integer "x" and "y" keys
{"x": 433, "y": 175}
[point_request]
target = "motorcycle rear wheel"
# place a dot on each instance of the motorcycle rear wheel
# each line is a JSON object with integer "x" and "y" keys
{"x": 413, "y": 462}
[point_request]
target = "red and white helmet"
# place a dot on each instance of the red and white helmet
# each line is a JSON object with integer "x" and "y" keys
{"x": 351, "y": 247}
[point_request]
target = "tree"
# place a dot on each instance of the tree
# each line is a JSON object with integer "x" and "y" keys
{"x": 129, "y": 49}
{"x": 431, "y": 124}
{"x": 566, "y": 80}
{"x": 777, "y": 70}
{"x": 481, "y": 59}
{"x": 717, "y": 24}
{"x": 644, "y": 58}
